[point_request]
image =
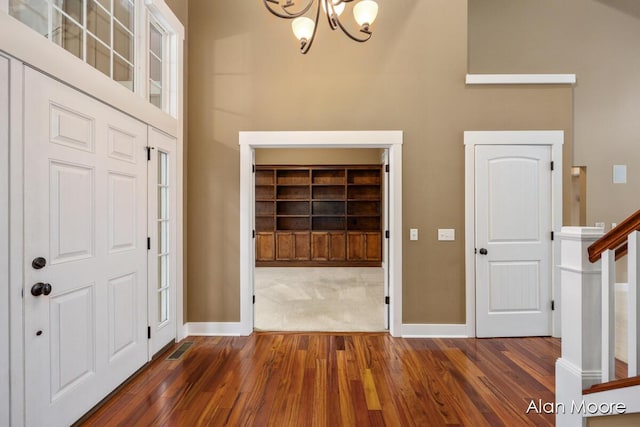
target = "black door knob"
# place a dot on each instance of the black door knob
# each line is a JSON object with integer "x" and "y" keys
{"x": 38, "y": 263}
{"x": 483, "y": 251}
{"x": 40, "y": 289}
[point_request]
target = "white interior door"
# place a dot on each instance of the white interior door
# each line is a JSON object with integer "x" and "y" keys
{"x": 513, "y": 240}
{"x": 4, "y": 241}
{"x": 162, "y": 180}
{"x": 85, "y": 214}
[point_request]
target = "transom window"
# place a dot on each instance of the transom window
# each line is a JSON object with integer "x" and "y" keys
{"x": 157, "y": 64}
{"x": 100, "y": 32}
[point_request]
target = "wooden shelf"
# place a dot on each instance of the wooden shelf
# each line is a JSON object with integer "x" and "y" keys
{"x": 310, "y": 215}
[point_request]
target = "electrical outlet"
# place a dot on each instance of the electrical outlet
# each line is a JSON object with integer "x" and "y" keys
{"x": 446, "y": 234}
{"x": 413, "y": 234}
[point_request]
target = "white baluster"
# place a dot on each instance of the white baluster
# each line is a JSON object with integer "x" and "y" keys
{"x": 608, "y": 315}
{"x": 633, "y": 327}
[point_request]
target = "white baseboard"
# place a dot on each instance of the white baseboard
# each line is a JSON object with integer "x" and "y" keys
{"x": 430, "y": 330}
{"x": 213, "y": 328}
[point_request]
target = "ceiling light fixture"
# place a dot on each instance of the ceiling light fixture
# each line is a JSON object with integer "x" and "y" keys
{"x": 304, "y": 28}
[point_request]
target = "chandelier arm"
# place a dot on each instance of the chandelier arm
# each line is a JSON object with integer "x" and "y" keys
{"x": 286, "y": 14}
{"x": 306, "y": 46}
{"x": 351, "y": 36}
{"x": 331, "y": 13}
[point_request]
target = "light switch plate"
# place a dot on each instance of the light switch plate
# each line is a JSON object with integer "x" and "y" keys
{"x": 619, "y": 174}
{"x": 413, "y": 234}
{"x": 446, "y": 234}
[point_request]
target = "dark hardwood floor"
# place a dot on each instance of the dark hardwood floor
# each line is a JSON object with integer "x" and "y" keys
{"x": 300, "y": 379}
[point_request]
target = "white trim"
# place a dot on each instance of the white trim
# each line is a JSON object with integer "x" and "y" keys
{"x": 390, "y": 140}
{"x": 16, "y": 242}
{"x": 520, "y": 79}
{"x": 627, "y": 396}
{"x": 5, "y": 333}
{"x": 555, "y": 139}
{"x": 427, "y": 330}
{"x": 207, "y": 329}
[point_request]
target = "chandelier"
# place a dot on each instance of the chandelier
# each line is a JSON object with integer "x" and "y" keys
{"x": 304, "y": 28}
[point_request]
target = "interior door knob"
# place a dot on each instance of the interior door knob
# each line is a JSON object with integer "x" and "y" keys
{"x": 483, "y": 251}
{"x": 38, "y": 263}
{"x": 40, "y": 289}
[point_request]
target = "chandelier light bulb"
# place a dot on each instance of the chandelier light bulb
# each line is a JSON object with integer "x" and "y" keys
{"x": 302, "y": 28}
{"x": 365, "y": 12}
{"x": 337, "y": 7}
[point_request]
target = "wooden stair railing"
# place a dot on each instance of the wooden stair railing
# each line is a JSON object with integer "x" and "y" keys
{"x": 613, "y": 385}
{"x": 616, "y": 239}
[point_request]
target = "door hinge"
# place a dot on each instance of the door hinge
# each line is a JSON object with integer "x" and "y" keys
{"x": 149, "y": 148}
{"x": 552, "y": 235}
{"x": 254, "y": 299}
{"x": 386, "y": 234}
{"x": 149, "y": 332}
{"x": 387, "y": 300}
{"x": 386, "y": 168}
{"x": 253, "y": 168}
{"x": 552, "y": 165}
{"x": 148, "y": 243}
{"x": 253, "y": 233}
{"x": 553, "y": 305}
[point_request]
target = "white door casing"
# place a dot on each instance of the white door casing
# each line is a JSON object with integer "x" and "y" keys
{"x": 513, "y": 238}
{"x": 385, "y": 241}
{"x": 162, "y": 189}
{"x": 249, "y": 141}
{"x": 4, "y": 242}
{"x": 497, "y": 281}
{"x": 85, "y": 212}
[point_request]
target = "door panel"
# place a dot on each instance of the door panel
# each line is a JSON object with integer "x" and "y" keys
{"x": 85, "y": 212}
{"x": 513, "y": 240}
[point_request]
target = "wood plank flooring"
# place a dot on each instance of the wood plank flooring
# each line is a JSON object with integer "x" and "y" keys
{"x": 301, "y": 379}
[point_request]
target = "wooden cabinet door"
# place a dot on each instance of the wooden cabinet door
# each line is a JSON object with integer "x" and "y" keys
{"x": 301, "y": 246}
{"x": 265, "y": 247}
{"x": 355, "y": 246}
{"x": 337, "y": 246}
{"x": 364, "y": 246}
{"x": 293, "y": 246}
{"x": 373, "y": 246}
{"x": 320, "y": 246}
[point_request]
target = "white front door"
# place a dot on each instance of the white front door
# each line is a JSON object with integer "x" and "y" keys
{"x": 162, "y": 180}
{"x": 85, "y": 216}
{"x": 513, "y": 240}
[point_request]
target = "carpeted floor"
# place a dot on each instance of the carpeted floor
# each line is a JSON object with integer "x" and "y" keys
{"x": 319, "y": 299}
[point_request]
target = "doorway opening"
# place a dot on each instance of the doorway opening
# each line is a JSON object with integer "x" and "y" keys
{"x": 389, "y": 142}
{"x": 319, "y": 221}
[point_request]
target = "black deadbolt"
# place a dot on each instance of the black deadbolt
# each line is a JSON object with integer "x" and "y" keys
{"x": 38, "y": 263}
{"x": 483, "y": 251}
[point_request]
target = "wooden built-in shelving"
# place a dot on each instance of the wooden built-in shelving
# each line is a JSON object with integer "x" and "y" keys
{"x": 310, "y": 215}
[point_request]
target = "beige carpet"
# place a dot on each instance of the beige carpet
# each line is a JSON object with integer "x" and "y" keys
{"x": 319, "y": 299}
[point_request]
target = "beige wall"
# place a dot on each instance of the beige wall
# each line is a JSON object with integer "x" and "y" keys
{"x": 597, "y": 40}
{"x": 246, "y": 74}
